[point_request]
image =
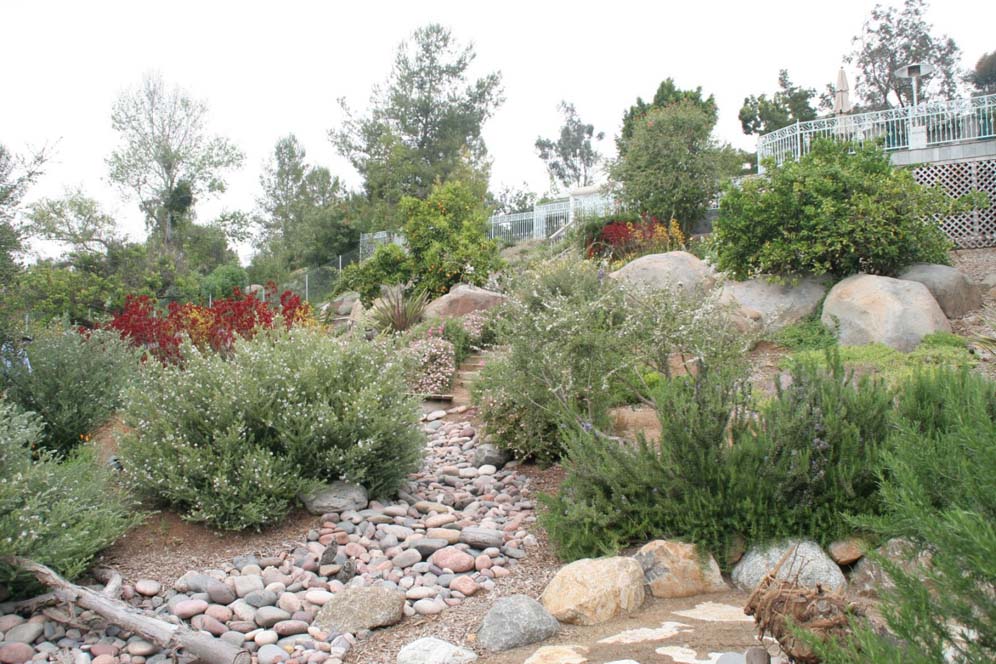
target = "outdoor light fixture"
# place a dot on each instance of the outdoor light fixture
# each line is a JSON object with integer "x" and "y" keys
{"x": 914, "y": 71}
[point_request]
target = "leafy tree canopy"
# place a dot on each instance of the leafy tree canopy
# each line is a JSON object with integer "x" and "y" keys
{"x": 667, "y": 93}
{"x": 983, "y": 77}
{"x": 761, "y": 115}
{"x": 892, "y": 38}
{"x": 167, "y": 158}
{"x": 424, "y": 124}
{"x": 571, "y": 159}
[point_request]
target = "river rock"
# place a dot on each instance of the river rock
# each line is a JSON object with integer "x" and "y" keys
{"x": 15, "y": 652}
{"x": 675, "y": 569}
{"x": 589, "y": 592}
{"x": 453, "y": 559}
{"x": 516, "y": 621}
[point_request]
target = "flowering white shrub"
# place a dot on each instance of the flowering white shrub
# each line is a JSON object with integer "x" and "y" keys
{"x": 56, "y": 513}
{"x": 232, "y": 442}
{"x": 432, "y": 362}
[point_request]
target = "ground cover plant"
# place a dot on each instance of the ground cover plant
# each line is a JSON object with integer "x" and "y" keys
{"x": 56, "y": 512}
{"x": 231, "y": 441}
{"x": 840, "y": 209}
{"x": 72, "y": 380}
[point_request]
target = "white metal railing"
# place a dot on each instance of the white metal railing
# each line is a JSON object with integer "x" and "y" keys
{"x": 908, "y": 128}
{"x": 370, "y": 241}
{"x": 548, "y": 220}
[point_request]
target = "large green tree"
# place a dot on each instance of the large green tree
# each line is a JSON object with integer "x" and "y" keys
{"x": 304, "y": 211}
{"x": 892, "y": 38}
{"x": 672, "y": 166}
{"x": 983, "y": 77}
{"x": 791, "y": 103}
{"x": 667, "y": 94}
{"x": 424, "y": 125}
{"x": 76, "y": 220}
{"x": 571, "y": 159}
{"x": 167, "y": 158}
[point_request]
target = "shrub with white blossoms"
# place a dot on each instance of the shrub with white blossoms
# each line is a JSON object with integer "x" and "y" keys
{"x": 232, "y": 442}
{"x": 432, "y": 362}
{"x": 59, "y": 513}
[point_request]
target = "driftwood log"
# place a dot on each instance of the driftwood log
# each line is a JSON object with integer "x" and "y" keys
{"x": 202, "y": 646}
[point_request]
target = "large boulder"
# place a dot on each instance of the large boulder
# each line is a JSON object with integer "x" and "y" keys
{"x": 675, "y": 569}
{"x": 462, "y": 300}
{"x": 804, "y": 561}
{"x": 869, "y": 578}
{"x": 589, "y": 592}
{"x": 430, "y": 650}
{"x": 677, "y": 270}
{"x": 954, "y": 292}
{"x": 335, "y": 497}
{"x": 516, "y": 621}
{"x": 357, "y": 608}
{"x": 779, "y": 304}
{"x": 866, "y": 309}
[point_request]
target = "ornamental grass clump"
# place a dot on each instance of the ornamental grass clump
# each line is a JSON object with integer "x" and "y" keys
{"x": 233, "y": 441}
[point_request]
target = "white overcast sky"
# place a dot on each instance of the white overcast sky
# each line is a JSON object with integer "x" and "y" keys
{"x": 267, "y": 69}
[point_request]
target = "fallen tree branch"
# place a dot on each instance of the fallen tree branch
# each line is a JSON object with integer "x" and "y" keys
{"x": 111, "y": 581}
{"x": 29, "y": 605}
{"x": 202, "y": 646}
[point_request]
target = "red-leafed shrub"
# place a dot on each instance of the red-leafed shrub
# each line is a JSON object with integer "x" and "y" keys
{"x": 628, "y": 238}
{"x": 161, "y": 332}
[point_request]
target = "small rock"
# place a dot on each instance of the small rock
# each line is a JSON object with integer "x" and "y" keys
{"x": 142, "y": 648}
{"x": 271, "y": 654}
{"x": 434, "y": 651}
{"x": 429, "y": 607}
{"x": 268, "y": 616}
{"x": 336, "y": 497}
{"x": 482, "y": 538}
{"x": 435, "y": 415}
{"x": 516, "y": 621}
{"x": 559, "y": 655}
{"x": 453, "y": 559}
{"x": 407, "y": 558}
{"x": 465, "y": 585}
{"x": 290, "y": 627}
{"x": 148, "y": 587}
{"x": 847, "y": 551}
{"x": 16, "y": 652}
{"x": 358, "y": 608}
{"x": 189, "y": 608}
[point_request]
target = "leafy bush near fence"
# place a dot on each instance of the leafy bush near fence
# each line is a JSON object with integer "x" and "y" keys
{"x": 57, "y": 513}
{"x": 796, "y": 468}
{"x": 232, "y": 441}
{"x": 840, "y": 209}
{"x": 72, "y": 380}
{"x": 621, "y": 238}
{"x": 387, "y": 266}
{"x": 939, "y": 492}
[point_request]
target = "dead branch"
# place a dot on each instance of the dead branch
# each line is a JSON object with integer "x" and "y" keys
{"x": 202, "y": 646}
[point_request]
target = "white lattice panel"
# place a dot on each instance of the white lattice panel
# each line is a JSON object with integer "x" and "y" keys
{"x": 970, "y": 229}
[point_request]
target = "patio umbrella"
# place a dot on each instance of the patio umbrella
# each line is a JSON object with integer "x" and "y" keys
{"x": 841, "y": 99}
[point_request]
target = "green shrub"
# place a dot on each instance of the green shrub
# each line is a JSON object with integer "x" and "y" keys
{"x": 813, "y": 457}
{"x": 796, "y": 468}
{"x": 58, "y": 514}
{"x": 74, "y": 382}
{"x": 447, "y": 238}
{"x": 232, "y": 441}
{"x": 224, "y": 279}
{"x": 840, "y": 209}
{"x": 938, "y": 491}
{"x": 389, "y": 265}
{"x": 562, "y": 331}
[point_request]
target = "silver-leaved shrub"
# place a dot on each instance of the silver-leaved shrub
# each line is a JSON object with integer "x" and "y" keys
{"x": 233, "y": 441}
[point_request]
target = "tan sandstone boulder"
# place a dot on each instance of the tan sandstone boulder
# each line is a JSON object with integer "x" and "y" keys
{"x": 866, "y": 309}
{"x": 589, "y": 592}
{"x": 675, "y": 569}
{"x": 677, "y": 270}
{"x": 462, "y": 300}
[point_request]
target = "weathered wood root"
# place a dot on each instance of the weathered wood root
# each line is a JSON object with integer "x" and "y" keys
{"x": 202, "y": 646}
{"x": 782, "y": 607}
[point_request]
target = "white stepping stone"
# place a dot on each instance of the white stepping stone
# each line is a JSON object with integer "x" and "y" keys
{"x": 716, "y": 612}
{"x": 640, "y": 635}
